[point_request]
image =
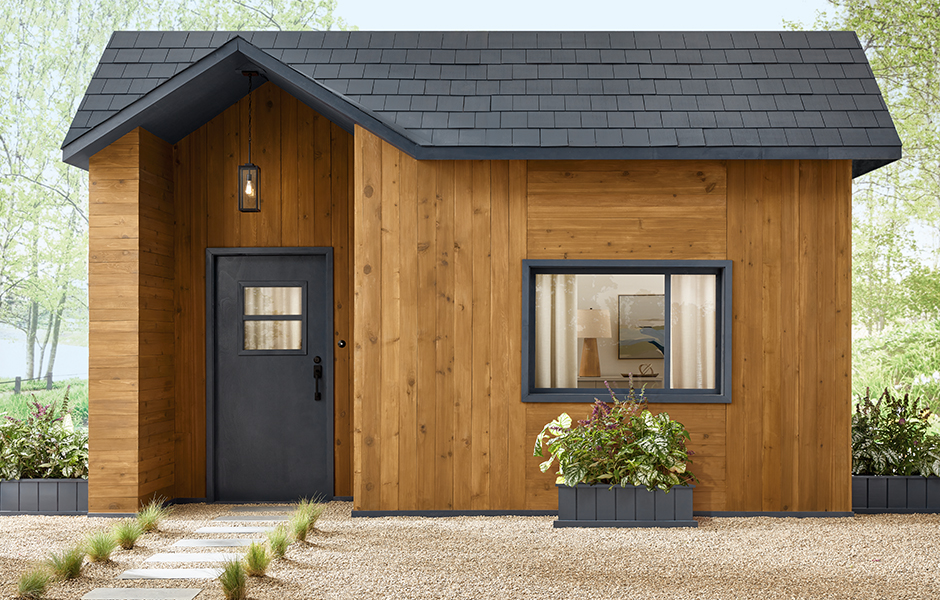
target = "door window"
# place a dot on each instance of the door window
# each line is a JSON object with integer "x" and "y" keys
{"x": 272, "y": 318}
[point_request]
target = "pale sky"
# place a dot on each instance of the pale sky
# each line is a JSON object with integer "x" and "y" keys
{"x": 554, "y": 15}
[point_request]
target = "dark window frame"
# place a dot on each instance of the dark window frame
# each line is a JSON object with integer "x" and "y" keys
{"x": 301, "y": 317}
{"x": 723, "y": 318}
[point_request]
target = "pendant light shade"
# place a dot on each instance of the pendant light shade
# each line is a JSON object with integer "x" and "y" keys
{"x": 248, "y": 181}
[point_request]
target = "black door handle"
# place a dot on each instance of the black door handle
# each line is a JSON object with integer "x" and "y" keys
{"x": 317, "y": 376}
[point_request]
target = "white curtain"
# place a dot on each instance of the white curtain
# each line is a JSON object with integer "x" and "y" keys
{"x": 692, "y": 341}
{"x": 556, "y": 342}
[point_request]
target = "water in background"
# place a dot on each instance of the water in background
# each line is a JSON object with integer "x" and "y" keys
{"x": 70, "y": 361}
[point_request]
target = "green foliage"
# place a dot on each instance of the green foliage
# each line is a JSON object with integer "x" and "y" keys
{"x": 152, "y": 514}
{"x": 43, "y": 445}
{"x": 233, "y": 580}
{"x": 621, "y": 443}
{"x": 904, "y": 358}
{"x": 32, "y": 585}
{"x": 67, "y": 564}
{"x": 312, "y": 508}
{"x": 257, "y": 560}
{"x": 99, "y": 546}
{"x": 891, "y": 436}
{"x": 299, "y": 526}
{"x": 19, "y": 406}
{"x": 126, "y": 533}
{"x": 278, "y": 541}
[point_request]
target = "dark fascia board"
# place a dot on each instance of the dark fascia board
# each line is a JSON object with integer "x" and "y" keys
{"x": 206, "y": 88}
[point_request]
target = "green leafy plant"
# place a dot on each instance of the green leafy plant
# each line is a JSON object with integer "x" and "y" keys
{"x": 621, "y": 443}
{"x": 32, "y": 584}
{"x": 152, "y": 514}
{"x": 233, "y": 580}
{"x": 43, "y": 445}
{"x": 100, "y": 545}
{"x": 126, "y": 533}
{"x": 891, "y": 436}
{"x": 257, "y": 560}
{"x": 278, "y": 541}
{"x": 67, "y": 564}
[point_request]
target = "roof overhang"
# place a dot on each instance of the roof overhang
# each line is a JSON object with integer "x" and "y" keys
{"x": 196, "y": 95}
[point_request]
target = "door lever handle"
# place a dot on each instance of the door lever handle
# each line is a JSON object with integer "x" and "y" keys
{"x": 317, "y": 376}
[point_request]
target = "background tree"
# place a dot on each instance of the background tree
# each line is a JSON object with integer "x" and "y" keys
{"x": 48, "y": 50}
{"x": 896, "y": 209}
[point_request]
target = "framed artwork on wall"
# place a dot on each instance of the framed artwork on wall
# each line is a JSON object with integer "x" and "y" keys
{"x": 641, "y": 325}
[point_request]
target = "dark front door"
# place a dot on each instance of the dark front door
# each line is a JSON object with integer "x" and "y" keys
{"x": 270, "y": 374}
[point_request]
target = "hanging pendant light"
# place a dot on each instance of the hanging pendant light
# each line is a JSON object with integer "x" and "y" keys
{"x": 249, "y": 174}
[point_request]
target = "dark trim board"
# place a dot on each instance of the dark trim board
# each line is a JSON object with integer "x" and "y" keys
{"x": 776, "y": 514}
{"x": 454, "y": 513}
{"x": 111, "y": 515}
{"x": 212, "y": 256}
{"x": 620, "y": 524}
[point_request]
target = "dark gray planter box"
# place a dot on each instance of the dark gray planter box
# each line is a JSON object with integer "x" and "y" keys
{"x": 605, "y": 506}
{"x": 44, "y": 496}
{"x": 873, "y": 494}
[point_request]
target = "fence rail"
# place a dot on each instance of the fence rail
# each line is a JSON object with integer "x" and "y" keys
{"x": 18, "y": 382}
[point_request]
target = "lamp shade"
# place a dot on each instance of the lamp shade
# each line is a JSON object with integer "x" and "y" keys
{"x": 594, "y": 323}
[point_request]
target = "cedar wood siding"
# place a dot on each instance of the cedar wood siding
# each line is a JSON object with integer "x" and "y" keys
{"x": 159, "y": 348}
{"x": 430, "y": 253}
{"x": 438, "y": 251}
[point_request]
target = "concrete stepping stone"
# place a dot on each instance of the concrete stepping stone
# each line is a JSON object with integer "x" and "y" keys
{"x": 252, "y": 518}
{"x": 260, "y": 509}
{"x": 215, "y": 543}
{"x": 170, "y": 574}
{"x": 193, "y": 557}
{"x": 142, "y": 594}
{"x": 239, "y": 529}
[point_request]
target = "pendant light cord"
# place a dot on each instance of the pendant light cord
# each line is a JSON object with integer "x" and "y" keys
{"x": 249, "y": 119}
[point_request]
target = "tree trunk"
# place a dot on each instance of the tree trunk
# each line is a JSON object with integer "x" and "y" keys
{"x": 32, "y": 320}
{"x": 45, "y": 343}
{"x": 55, "y": 332}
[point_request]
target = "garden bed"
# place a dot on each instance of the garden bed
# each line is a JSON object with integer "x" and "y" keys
{"x": 874, "y": 494}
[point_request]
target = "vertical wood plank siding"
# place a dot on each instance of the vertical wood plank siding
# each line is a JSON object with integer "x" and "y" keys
{"x": 131, "y": 287}
{"x": 304, "y": 202}
{"x": 439, "y": 246}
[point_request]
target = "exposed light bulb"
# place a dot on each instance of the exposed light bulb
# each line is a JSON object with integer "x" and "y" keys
{"x": 249, "y": 189}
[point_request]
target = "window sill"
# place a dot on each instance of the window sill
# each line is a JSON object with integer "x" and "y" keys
{"x": 652, "y": 397}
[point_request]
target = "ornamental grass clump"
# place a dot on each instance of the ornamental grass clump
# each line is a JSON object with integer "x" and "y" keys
{"x": 312, "y": 509}
{"x": 299, "y": 526}
{"x": 233, "y": 580}
{"x": 620, "y": 443}
{"x": 126, "y": 532}
{"x": 67, "y": 564}
{"x": 257, "y": 560}
{"x": 32, "y": 585}
{"x": 279, "y": 540}
{"x": 151, "y": 515}
{"x": 891, "y": 436}
{"x": 100, "y": 545}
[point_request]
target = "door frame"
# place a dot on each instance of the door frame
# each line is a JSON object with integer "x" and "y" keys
{"x": 212, "y": 256}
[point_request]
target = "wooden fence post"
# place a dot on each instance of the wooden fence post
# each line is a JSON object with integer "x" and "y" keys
{"x": 48, "y": 381}
{"x": 16, "y": 386}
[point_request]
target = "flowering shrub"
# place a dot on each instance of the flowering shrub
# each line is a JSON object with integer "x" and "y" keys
{"x": 621, "y": 443}
{"x": 43, "y": 445}
{"x": 891, "y": 436}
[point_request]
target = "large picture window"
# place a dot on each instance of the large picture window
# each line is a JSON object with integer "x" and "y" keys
{"x": 665, "y": 324}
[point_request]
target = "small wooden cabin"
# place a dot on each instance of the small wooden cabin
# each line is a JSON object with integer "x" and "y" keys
{"x": 460, "y": 236}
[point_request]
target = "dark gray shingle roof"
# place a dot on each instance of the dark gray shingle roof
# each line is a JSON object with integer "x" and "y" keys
{"x": 521, "y": 94}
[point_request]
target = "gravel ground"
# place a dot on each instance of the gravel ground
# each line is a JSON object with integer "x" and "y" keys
{"x": 865, "y": 557}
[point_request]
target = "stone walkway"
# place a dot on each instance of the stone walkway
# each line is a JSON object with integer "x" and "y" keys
{"x": 247, "y": 514}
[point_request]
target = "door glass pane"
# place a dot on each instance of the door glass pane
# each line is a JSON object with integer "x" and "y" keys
{"x": 273, "y": 335}
{"x": 273, "y": 300}
{"x": 693, "y": 332}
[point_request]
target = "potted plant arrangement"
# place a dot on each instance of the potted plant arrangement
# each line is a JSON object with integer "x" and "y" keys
{"x": 621, "y": 467}
{"x": 895, "y": 456}
{"x": 43, "y": 462}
